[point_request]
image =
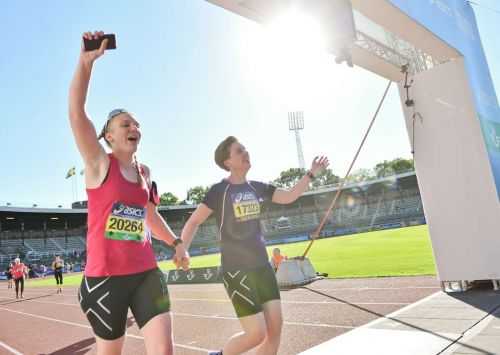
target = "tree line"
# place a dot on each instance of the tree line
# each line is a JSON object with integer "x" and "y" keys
{"x": 289, "y": 178}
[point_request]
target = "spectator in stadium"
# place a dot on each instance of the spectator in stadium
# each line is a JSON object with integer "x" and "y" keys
{"x": 58, "y": 266}
{"x": 19, "y": 271}
{"x": 8, "y": 273}
{"x": 121, "y": 270}
{"x": 27, "y": 271}
{"x": 277, "y": 258}
{"x": 237, "y": 204}
{"x": 31, "y": 271}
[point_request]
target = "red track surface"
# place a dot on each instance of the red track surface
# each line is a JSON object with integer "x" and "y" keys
{"x": 49, "y": 323}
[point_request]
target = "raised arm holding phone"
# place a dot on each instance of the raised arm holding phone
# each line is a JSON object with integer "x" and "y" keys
{"x": 121, "y": 270}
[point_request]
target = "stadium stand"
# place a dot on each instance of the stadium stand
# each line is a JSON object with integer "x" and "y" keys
{"x": 38, "y": 234}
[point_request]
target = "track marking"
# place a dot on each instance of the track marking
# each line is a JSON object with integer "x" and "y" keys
{"x": 285, "y": 322}
{"x": 88, "y": 327}
{"x": 9, "y": 348}
{"x": 295, "y": 302}
{"x": 381, "y": 319}
{"x": 303, "y": 324}
{"x": 375, "y": 288}
{"x": 215, "y": 300}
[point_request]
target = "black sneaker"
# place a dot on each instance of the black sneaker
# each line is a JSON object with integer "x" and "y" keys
{"x": 215, "y": 352}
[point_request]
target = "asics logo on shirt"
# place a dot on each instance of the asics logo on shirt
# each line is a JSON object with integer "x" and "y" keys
{"x": 129, "y": 211}
{"x": 119, "y": 209}
{"x": 135, "y": 212}
{"x": 245, "y": 196}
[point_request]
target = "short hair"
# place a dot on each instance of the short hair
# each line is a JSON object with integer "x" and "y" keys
{"x": 222, "y": 151}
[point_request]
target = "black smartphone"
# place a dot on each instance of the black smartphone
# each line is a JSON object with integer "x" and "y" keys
{"x": 93, "y": 44}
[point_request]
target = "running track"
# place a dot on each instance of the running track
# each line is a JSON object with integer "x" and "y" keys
{"x": 48, "y": 323}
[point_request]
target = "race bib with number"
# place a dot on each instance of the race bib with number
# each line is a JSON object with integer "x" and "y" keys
{"x": 126, "y": 223}
{"x": 246, "y": 206}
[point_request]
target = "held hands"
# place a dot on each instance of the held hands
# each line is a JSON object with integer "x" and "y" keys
{"x": 319, "y": 164}
{"x": 181, "y": 258}
{"x": 88, "y": 57}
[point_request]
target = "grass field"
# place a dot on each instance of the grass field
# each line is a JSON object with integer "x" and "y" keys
{"x": 394, "y": 252}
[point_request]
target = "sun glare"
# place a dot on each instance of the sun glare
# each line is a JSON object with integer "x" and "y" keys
{"x": 288, "y": 58}
{"x": 297, "y": 33}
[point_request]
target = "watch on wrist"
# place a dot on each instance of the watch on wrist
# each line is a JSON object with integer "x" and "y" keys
{"x": 311, "y": 175}
{"x": 176, "y": 242}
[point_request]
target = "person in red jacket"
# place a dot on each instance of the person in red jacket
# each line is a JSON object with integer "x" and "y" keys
{"x": 18, "y": 272}
{"x": 277, "y": 259}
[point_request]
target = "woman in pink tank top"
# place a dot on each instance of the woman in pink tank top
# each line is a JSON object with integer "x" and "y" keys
{"x": 121, "y": 270}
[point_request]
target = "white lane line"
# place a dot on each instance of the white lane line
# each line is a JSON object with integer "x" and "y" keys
{"x": 401, "y": 310}
{"x": 297, "y": 302}
{"x": 374, "y": 322}
{"x": 285, "y": 322}
{"x": 9, "y": 348}
{"x": 36, "y": 301}
{"x": 374, "y": 288}
{"x": 88, "y": 327}
{"x": 220, "y": 317}
{"x": 30, "y": 294}
{"x": 322, "y": 325}
{"x": 214, "y": 300}
{"x": 188, "y": 289}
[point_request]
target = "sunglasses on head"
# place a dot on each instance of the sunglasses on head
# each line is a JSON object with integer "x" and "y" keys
{"x": 111, "y": 115}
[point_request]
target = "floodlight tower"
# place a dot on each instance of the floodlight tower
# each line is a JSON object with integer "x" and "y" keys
{"x": 296, "y": 124}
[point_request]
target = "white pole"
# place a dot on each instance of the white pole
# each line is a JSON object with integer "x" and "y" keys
{"x": 296, "y": 123}
{"x": 300, "y": 153}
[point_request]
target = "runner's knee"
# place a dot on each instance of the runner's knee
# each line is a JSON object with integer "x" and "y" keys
{"x": 256, "y": 336}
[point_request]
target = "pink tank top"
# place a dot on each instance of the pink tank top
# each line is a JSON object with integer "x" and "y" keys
{"x": 117, "y": 241}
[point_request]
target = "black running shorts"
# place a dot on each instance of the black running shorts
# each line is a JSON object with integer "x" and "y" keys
{"x": 249, "y": 290}
{"x": 106, "y": 300}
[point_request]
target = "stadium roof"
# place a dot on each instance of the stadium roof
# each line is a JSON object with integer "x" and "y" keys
{"x": 335, "y": 187}
{"x": 41, "y": 210}
{"x": 320, "y": 190}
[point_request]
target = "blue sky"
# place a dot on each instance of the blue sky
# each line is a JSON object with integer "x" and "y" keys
{"x": 193, "y": 74}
